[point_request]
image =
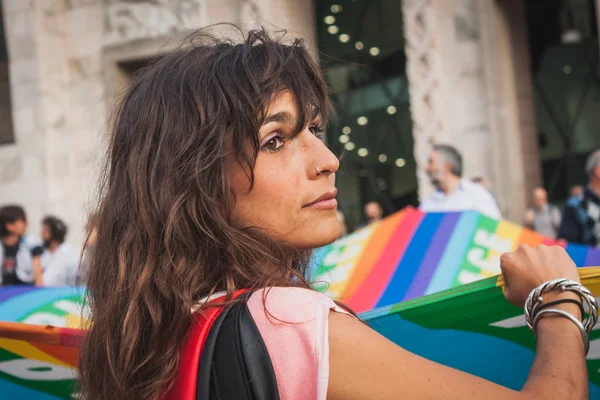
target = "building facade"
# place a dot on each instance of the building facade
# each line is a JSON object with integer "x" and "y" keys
{"x": 466, "y": 72}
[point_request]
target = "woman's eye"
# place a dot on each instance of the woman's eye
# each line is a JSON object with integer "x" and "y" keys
{"x": 274, "y": 144}
{"x": 317, "y": 130}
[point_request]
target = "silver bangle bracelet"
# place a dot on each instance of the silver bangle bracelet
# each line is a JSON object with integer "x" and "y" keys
{"x": 582, "y": 330}
{"x": 535, "y": 299}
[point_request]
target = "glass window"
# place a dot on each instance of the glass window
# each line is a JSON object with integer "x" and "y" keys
{"x": 362, "y": 52}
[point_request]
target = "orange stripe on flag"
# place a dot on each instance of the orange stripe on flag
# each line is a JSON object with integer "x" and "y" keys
{"x": 371, "y": 253}
{"x": 531, "y": 238}
{"x": 30, "y": 333}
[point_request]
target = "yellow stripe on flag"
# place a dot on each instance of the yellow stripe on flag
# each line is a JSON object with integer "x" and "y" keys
{"x": 25, "y": 350}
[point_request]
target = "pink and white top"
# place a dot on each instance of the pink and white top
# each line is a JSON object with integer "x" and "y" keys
{"x": 294, "y": 325}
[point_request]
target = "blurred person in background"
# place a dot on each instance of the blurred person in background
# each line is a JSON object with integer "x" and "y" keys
{"x": 454, "y": 193}
{"x": 59, "y": 260}
{"x": 581, "y": 219}
{"x": 372, "y": 213}
{"x": 19, "y": 255}
{"x": 483, "y": 181}
{"x": 576, "y": 191}
{"x": 543, "y": 217}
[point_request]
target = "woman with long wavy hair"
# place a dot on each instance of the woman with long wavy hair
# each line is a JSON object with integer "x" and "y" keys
{"x": 218, "y": 181}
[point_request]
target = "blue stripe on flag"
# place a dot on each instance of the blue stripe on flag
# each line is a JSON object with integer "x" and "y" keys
{"x": 457, "y": 246}
{"x": 411, "y": 261}
{"x": 578, "y": 253}
{"x": 15, "y": 308}
{"x": 11, "y": 390}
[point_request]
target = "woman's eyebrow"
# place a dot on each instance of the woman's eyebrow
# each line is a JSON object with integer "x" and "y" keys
{"x": 282, "y": 117}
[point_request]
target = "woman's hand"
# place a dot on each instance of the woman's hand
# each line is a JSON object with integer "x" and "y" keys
{"x": 527, "y": 268}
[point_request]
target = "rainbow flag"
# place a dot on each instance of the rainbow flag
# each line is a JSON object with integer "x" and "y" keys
{"x": 39, "y": 349}
{"x": 474, "y": 329}
{"x": 470, "y": 327}
{"x": 411, "y": 254}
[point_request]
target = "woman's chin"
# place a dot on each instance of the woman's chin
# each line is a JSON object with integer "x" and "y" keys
{"x": 311, "y": 236}
{"x": 324, "y": 234}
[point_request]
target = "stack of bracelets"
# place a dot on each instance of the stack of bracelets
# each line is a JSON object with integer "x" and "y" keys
{"x": 536, "y": 310}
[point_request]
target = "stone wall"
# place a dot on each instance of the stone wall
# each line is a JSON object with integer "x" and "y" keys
{"x": 55, "y": 56}
{"x": 22, "y": 172}
{"x": 515, "y": 156}
{"x": 470, "y": 87}
{"x": 296, "y": 17}
{"x": 128, "y": 21}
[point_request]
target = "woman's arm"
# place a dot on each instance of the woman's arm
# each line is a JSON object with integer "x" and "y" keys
{"x": 365, "y": 365}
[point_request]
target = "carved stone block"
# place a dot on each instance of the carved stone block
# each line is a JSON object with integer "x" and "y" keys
{"x": 126, "y": 21}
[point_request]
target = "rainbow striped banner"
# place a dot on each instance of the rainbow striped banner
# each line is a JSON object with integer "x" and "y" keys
{"x": 39, "y": 349}
{"x": 474, "y": 329}
{"x": 411, "y": 254}
{"x": 471, "y": 328}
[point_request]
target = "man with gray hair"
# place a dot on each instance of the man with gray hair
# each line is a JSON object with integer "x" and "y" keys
{"x": 453, "y": 193}
{"x": 581, "y": 218}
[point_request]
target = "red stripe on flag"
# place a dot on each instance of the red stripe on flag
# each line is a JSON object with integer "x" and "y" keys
{"x": 374, "y": 285}
{"x": 371, "y": 253}
{"x": 68, "y": 355}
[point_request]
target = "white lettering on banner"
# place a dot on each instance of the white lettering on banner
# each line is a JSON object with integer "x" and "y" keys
{"x": 48, "y": 318}
{"x": 45, "y": 318}
{"x": 594, "y": 352}
{"x": 72, "y": 308}
{"x": 514, "y": 322}
{"x": 476, "y": 257}
{"x": 465, "y": 277}
{"x": 492, "y": 242}
{"x": 36, "y": 370}
{"x": 337, "y": 256}
{"x": 488, "y": 262}
{"x": 348, "y": 248}
{"x": 340, "y": 273}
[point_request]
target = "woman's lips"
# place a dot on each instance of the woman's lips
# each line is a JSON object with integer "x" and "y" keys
{"x": 325, "y": 204}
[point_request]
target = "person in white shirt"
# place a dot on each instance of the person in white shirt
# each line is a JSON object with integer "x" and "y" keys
{"x": 59, "y": 260}
{"x": 19, "y": 254}
{"x": 453, "y": 193}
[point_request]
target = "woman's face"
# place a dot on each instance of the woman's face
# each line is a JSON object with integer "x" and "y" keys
{"x": 291, "y": 200}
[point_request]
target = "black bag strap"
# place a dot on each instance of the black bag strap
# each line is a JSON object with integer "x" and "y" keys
{"x": 235, "y": 363}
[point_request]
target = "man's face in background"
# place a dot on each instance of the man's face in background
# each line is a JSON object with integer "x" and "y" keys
{"x": 435, "y": 169}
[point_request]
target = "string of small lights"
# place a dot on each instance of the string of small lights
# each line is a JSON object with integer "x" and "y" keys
{"x": 374, "y": 51}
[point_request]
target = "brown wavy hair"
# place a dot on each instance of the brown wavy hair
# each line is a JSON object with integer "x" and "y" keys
{"x": 165, "y": 233}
